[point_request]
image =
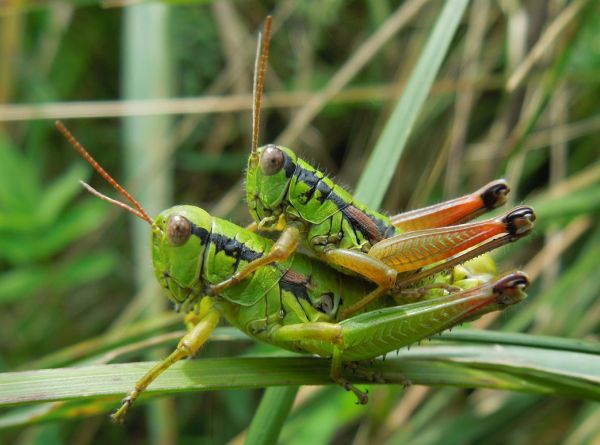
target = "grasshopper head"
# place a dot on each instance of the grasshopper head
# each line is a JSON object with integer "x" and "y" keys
{"x": 268, "y": 177}
{"x": 179, "y": 237}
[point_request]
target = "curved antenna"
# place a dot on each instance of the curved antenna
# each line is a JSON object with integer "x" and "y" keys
{"x": 96, "y": 193}
{"x": 140, "y": 212}
{"x": 260, "y": 65}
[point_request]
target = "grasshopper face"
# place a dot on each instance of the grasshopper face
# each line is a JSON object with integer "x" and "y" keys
{"x": 179, "y": 236}
{"x": 267, "y": 181}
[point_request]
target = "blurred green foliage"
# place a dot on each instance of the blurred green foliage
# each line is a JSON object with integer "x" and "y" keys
{"x": 66, "y": 267}
{"x": 38, "y": 223}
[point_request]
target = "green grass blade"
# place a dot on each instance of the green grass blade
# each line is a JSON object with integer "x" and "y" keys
{"x": 147, "y": 75}
{"x": 382, "y": 163}
{"x": 272, "y": 413}
{"x": 518, "y": 368}
{"x": 519, "y": 339}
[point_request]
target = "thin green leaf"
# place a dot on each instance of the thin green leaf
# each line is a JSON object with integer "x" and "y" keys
{"x": 519, "y": 339}
{"x": 517, "y": 368}
{"x": 387, "y": 152}
{"x": 272, "y": 412}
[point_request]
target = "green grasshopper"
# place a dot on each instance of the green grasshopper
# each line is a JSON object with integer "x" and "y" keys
{"x": 285, "y": 193}
{"x": 295, "y": 304}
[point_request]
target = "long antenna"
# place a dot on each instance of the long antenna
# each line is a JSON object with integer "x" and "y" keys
{"x": 96, "y": 193}
{"x": 88, "y": 157}
{"x": 260, "y": 65}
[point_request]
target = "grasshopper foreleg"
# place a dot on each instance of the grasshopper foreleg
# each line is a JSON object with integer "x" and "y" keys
{"x": 282, "y": 249}
{"x": 187, "y": 347}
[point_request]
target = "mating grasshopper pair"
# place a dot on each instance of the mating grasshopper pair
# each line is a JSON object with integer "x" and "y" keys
{"x": 212, "y": 268}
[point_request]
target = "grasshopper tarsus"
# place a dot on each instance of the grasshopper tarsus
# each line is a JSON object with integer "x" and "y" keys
{"x": 519, "y": 221}
{"x": 118, "y": 417}
{"x": 494, "y": 194}
{"x": 362, "y": 397}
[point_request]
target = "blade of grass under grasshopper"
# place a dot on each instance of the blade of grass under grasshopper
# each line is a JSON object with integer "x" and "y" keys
{"x": 517, "y": 368}
{"x": 391, "y": 143}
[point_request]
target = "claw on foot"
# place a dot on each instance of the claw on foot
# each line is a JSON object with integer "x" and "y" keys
{"x": 519, "y": 221}
{"x": 119, "y": 415}
{"x": 362, "y": 397}
{"x": 494, "y": 194}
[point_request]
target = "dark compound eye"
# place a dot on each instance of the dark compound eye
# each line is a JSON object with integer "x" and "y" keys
{"x": 179, "y": 230}
{"x": 271, "y": 160}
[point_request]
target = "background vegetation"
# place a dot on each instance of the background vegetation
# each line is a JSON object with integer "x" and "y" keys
{"x": 159, "y": 93}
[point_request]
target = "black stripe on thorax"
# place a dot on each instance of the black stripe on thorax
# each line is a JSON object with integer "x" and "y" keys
{"x": 327, "y": 193}
{"x": 308, "y": 177}
{"x": 316, "y": 183}
{"x": 233, "y": 248}
{"x": 230, "y": 246}
{"x": 200, "y": 232}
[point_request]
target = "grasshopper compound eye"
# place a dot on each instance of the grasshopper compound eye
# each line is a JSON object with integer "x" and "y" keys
{"x": 271, "y": 160}
{"x": 179, "y": 230}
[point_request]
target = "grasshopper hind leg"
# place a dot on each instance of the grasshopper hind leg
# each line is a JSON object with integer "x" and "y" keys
{"x": 455, "y": 211}
{"x": 375, "y": 333}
